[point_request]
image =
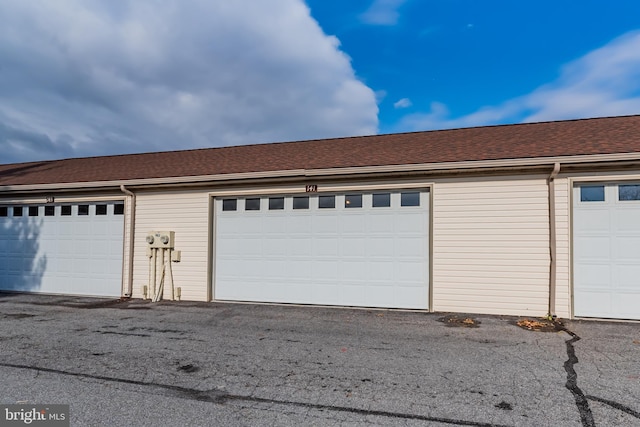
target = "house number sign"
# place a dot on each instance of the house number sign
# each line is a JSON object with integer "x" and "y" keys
{"x": 311, "y": 188}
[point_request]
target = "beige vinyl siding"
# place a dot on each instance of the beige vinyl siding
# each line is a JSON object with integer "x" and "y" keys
{"x": 186, "y": 213}
{"x": 563, "y": 243}
{"x": 490, "y": 245}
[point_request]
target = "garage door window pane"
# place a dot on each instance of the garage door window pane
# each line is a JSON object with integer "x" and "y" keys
{"x": 592, "y": 193}
{"x": 381, "y": 200}
{"x": 33, "y": 211}
{"x": 49, "y": 210}
{"x": 301, "y": 202}
{"x": 276, "y": 203}
{"x": 83, "y": 209}
{"x": 4, "y": 211}
{"x": 229, "y": 204}
{"x": 65, "y": 210}
{"x": 353, "y": 201}
{"x": 118, "y": 209}
{"x": 101, "y": 209}
{"x": 628, "y": 192}
{"x": 326, "y": 202}
{"x": 252, "y": 205}
{"x": 410, "y": 199}
{"x": 17, "y": 211}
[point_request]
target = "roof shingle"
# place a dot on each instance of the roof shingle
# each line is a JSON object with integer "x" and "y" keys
{"x": 610, "y": 135}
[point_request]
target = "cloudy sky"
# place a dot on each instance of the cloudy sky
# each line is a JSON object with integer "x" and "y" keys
{"x": 96, "y": 77}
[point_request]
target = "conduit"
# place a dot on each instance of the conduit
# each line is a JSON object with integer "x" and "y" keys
{"x": 132, "y": 220}
{"x": 165, "y": 258}
{"x": 552, "y": 240}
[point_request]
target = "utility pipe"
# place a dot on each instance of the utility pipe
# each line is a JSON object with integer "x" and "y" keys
{"x": 132, "y": 227}
{"x": 552, "y": 241}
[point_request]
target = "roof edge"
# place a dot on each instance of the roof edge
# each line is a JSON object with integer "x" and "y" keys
{"x": 486, "y": 165}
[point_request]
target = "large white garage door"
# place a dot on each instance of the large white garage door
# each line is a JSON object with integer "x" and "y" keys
{"x": 71, "y": 249}
{"x": 606, "y": 250}
{"x": 354, "y": 249}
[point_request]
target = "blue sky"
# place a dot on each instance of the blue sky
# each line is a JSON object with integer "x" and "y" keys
{"x": 462, "y": 56}
{"x": 98, "y": 77}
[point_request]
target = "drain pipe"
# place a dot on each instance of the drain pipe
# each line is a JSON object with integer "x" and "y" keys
{"x": 552, "y": 241}
{"x": 132, "y": 221}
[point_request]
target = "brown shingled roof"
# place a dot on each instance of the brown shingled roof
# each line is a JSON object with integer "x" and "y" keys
{"x": 548, "y": 139}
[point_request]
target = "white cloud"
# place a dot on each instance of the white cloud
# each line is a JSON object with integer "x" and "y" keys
{"x": 96, "y": 77}
{"x": 382, "y": 12}
{"x": 402, "y": 103}
{"x": 381, "y": 94}
{"x": 604, "y": 82}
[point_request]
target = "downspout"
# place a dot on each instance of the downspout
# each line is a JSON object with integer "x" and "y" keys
{"x": 132, "y": 226}
{"x": 552, "y": 241}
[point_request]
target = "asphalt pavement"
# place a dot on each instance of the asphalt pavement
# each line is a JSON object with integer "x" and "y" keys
{"x": 137, "y": 363}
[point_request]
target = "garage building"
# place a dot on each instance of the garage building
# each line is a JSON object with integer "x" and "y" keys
{"x": 528, "y": 219}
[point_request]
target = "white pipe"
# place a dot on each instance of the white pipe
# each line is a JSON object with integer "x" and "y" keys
{"x": 170, "y": 261}
{"x": 132, "y": 219}
{"x": 154, "y": 271}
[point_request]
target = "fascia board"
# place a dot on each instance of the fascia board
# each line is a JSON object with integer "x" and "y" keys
{"x": 487, "y": 165}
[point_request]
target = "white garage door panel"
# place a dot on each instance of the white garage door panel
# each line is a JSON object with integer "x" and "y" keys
{"x": 606, "y": 255}
{"x": 66, "y": 254}
{"x": 369, "y": 257}
{"x": 628, "y": 247}
{"x": 593, "y": 248}
{"x": 593, "y": 275}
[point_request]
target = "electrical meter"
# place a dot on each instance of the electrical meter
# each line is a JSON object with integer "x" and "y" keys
{"x": 161, "y": 239}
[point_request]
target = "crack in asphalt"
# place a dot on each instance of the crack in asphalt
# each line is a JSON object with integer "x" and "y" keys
{"x": 616, "y": 405}
{"x": 220, "y": 397}
{"x": 586, "y": 416}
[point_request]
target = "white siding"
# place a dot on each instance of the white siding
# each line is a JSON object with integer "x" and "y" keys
{"x": 491, "y": 245}
{"x": 186, "y": 213}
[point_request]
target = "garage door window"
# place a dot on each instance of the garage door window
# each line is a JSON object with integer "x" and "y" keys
{"x": 252, "y": 205}
{"x": 118, "y": 209}
{"x": 381, "y": 200}
{"x": 353, "y": 201}
{"x": 33, "y": 211}
{"x": 4, "y": 211}
{"x": 592, "y": 193}
{"x": 229, "y": 204}
{"x": 83, "y": 209}
{"x": 17, "y": 211}
{"x": 65, "y": 210}
{"x": 49, "y": 211}
{"x": 628, "y": 192}
{"x": 326, "y": 202}
{"x": 101, "y": 209}
{"x": 276, "y": 203}
{"x": 301, "y": 202}
{"x": 410, "y": 199}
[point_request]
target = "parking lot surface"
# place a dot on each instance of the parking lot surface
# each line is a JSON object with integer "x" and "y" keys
{"x": 136, "y": 363}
